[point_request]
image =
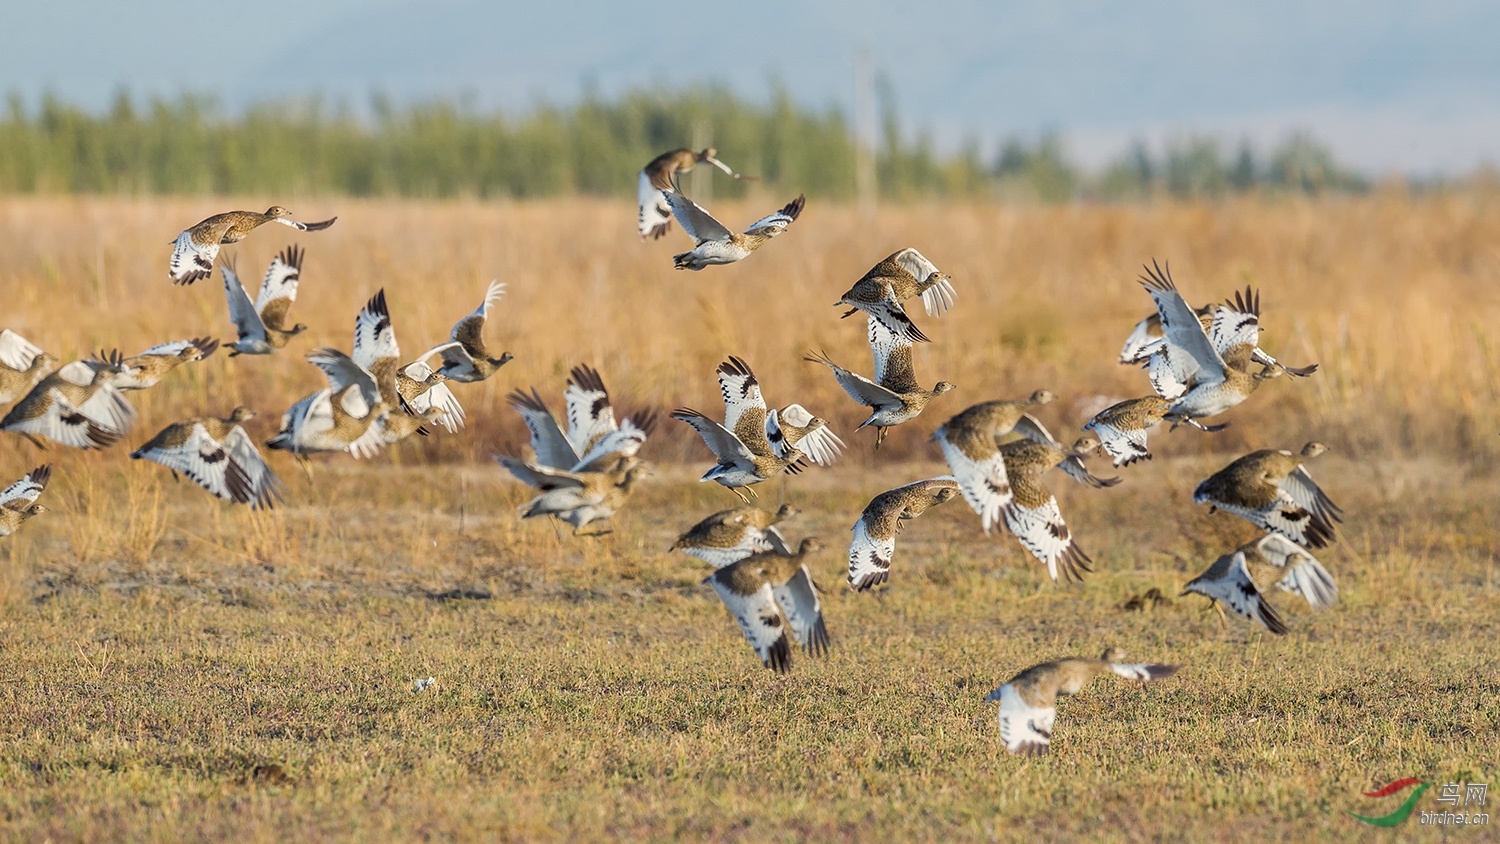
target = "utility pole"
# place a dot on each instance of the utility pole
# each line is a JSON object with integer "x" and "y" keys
{"x": 865, "y": 132}
{"x": 702, "y": 177}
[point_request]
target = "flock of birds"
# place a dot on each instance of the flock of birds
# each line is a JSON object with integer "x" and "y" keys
{"x": 1201, "y": 362}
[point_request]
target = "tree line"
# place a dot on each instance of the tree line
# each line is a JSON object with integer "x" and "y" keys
{"x": 444, "y": 148}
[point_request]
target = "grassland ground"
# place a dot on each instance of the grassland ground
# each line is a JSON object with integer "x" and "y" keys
{"x": 174, "y": 669}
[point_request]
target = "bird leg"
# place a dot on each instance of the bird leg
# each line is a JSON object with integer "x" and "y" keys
{"x": 849, "y": 313}
{"x": 879, "y": 437}
{"x": 36, "y": 442}
{"x": 305, "y": 464}
{"x": 740, "y": 494}
{"x": 1213, "y": 606}
{"x": 1212, "y": 429}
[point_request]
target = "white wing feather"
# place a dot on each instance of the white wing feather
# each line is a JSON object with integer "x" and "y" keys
{"x": 1305, "y": 576}
{"x": 192, "y": 260}
{"x": 280, "y": 281}
{"x": 26, "y": 489}
{"x": 798, "y": 599}
{"x": 983, "y": 483}
{"x": 654, "y": 211}
{"x": 374, "y": 335}
{"x": 1187, "y": 349}
{"x": 699, "y": 224}
{"x": 1024, "y": 729}
{"x": 760, "y": 619}
{"x": 246, "y": 318}
{"x": 938, "y": 298}
{"x": 869, "y": 558}
{"x": 16, "y": 351}
{"x": 1041, "y": 531}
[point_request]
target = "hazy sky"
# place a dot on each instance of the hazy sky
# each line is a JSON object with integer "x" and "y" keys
{"x": 1391, "y": 86}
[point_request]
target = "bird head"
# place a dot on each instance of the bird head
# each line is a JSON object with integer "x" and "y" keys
{"x": 505, "y": 357}
{"x": 1268, "y": 372}
{"x": 786, "y": 511}
{"x": 1042, "y": 397}
{"x": 637, "y": 471}
{"x": 36, "y": 509}
{"x": 298, "y": 328}
{"x": 810, "y": 545}
{"x": 1112, "y": 654}
{"x": 943, "y": 493}
{"x": 276, "y": 211}
{"x": 934, "y": 277}
{"x": 1086, "y": 445}
{"x": 1313, "y": 449}
{"x": 943, "y": 387}
{"x": 241, "y": 414}
{"x": 708, "y": 155}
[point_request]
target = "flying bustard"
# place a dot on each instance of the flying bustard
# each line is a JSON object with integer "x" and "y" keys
{"x": 1239, "y": 580}
{"x": 1032, "y": 513}
{"x": 147, "y": 368}
{"x": 894, "y": 396}
{"x": 968, "y": 440}
{"x": 217, "y": 455}
{"x": 715, "y": 244}
{"x": 261, "y": 326}
{"x": 1271, "y": 490}
{"x": 75, "y": 406}
{"x": 1028, "y": 702}
{"x": 773, "y": 597}
{"x": 587, "y": 472}
{"x": 18, "y": 501}
{"x": 882, "y": 291}
{"x": 874, "y": 544}
{"x": 196, "y": 248}
{"x": 661, "y": 174}
{"x": 1189, "y": 367}
{"x": 754, "y": 443}
{"x": 465, "y": 356}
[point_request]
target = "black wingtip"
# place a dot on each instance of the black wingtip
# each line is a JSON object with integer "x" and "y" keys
{"x": 794, "y": 208}
{"x": 377, "y": 305}
{"x": 206, "y": 346}
{"x": 292, "y": 256}
{"x": 779, "y": 657}
{"x": 646, "y": 420}
{"x": 587, "y": 377}
{"x": 736, "y": 366}
{"x": 1158, "y": 276}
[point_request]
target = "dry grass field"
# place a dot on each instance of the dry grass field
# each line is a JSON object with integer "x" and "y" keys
{"x": 176, "y": 669}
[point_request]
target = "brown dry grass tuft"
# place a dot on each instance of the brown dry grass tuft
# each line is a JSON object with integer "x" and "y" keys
{"x": 172, "y": 668}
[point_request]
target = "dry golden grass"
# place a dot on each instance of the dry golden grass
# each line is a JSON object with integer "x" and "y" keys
{"x": 177, "y": 669}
